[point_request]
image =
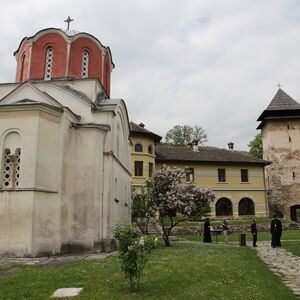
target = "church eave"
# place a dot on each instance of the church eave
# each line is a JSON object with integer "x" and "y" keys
{"x": 30, "y": 106}
{"x": 104, "y": 127}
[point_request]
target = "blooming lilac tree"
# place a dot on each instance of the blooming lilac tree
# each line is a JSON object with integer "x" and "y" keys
{"x": 177, "y": 201}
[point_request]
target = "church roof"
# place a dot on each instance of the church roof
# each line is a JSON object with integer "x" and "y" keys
{"x": 282, "y": 106}
{"x": 204, "y": 155}
{"x": 137, "y": 129}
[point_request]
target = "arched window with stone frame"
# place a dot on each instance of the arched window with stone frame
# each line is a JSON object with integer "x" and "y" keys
{"x": 85, "y": 59}
{"x": 48, "y": 63}
{"x": 11, "y": 161}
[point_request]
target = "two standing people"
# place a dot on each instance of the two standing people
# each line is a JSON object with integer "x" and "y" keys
{"x": 207, "y": 234}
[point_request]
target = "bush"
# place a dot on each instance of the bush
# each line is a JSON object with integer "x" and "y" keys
{"x": 134, "y": 251}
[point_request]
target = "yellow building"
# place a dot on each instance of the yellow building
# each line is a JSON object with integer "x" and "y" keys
{"x": 237, "y": 180}
{"x": 142, "y": 153}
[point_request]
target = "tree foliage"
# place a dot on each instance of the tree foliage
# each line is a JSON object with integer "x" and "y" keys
{"x": 142, "y": 209}
{"x": 177, "y": 201}
{"x": 182, "y": 135}
{"x": 256, "y": 147}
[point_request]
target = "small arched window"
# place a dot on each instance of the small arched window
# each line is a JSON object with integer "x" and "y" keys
{"x": 85, "y": 64}
{"x": 150, "y": 149}
{"x": 138, "y": 148}
{"x": 48, "y": 63}
{"x": 10, "y": 172}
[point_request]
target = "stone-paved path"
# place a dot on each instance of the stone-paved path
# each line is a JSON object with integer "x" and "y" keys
{"x": 53, "y": 261}
{"x": 282, "y": 263}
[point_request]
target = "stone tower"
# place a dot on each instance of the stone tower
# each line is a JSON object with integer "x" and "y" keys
{"x": 280, "y": 127}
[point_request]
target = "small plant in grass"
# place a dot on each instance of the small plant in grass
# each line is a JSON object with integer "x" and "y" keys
{"x": 134, "y": 251}
{"x": 177, "y": 201}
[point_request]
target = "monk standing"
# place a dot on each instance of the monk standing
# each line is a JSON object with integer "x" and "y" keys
{"x": 276, "y": 231}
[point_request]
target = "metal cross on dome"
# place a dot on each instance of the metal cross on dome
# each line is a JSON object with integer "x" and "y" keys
{"x": 68, "y": 20}
{"x": 279, "y": 85}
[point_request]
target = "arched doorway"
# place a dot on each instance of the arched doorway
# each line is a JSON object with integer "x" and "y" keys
{"x": 246, "y": 207}
{"x": 224, "y": 207}
{"x": 295, "y": 213}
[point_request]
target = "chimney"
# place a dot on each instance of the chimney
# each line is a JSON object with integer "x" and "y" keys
{"x": 230, "y": 146}
{"x": 142, "y": 125}
{"x": 195, "y": 145}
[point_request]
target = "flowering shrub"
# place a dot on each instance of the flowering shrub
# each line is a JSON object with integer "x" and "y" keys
{"x": 177, "y": 201}
{"x": 134, "y": 251}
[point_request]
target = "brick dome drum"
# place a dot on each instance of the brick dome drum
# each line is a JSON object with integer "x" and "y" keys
{"x": 55, "y": 53}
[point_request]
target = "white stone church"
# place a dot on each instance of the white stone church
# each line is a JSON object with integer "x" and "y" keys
{"x": 65, "y": 160}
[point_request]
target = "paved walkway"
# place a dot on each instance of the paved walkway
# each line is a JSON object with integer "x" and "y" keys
{"x": 282, "y": 263}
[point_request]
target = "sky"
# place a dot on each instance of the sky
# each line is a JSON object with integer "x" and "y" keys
{"x": 210, "y": 63}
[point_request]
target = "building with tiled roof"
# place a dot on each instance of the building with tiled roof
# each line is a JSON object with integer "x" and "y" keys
{"x": 280, "y": 128}
{"x": 236, "y": 179}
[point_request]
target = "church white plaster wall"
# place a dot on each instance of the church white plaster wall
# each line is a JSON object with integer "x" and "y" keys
{"x": 69, "y": 171}
{"x": 16, "y": 223}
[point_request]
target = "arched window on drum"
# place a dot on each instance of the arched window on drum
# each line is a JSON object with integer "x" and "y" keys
{"x": 48, "y": 63}
{"x": 85, "y": 64}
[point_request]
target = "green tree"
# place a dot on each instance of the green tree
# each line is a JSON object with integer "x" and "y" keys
{"x": 142, "y": 209}
{"x": 182, "y": 135}
{"x": 256, "y": 147}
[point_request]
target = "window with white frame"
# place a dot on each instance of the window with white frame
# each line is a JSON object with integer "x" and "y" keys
{"x": 85, "y": 64}
{"x": 48, "y": 63}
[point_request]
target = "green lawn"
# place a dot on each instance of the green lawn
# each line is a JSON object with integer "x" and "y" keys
{"x": 232, "y": 222}
{"x": 262, "y": 236}
{"x": 187, "y": 270}
{"x": 293, "y": 247}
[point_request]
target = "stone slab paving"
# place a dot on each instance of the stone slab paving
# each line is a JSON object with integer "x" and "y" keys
{"x": 66, "y": 292}
{"x": 282, "y": 263}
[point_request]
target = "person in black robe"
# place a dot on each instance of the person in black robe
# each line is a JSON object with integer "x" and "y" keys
{"x": 254, "y": 232}
{"x": 207, "y": 236}
{"x": 276, "y": 231}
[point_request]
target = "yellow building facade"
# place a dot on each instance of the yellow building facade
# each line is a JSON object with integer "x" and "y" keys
{"x": 237, "y": 180}
{"x": 143, "y": 144}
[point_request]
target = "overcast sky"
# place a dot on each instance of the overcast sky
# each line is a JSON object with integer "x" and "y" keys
{"x": 213, "y": 63}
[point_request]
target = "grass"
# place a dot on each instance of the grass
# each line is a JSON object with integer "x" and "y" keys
{"x": 187, "y": 270}
{"x": 262, "y": 236}
{"x": 293, "y": 247}
{"x": 232, "y": 222}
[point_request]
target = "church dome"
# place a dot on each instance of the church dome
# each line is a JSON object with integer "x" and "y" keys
{"x": 54, "y": 53}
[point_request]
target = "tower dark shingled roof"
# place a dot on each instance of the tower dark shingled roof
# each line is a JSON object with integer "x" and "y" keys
{"x": 282, "y": 106}
{"x": 283, "y": 101}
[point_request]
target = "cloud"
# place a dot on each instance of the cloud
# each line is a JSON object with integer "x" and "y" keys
{"x": 209, "y": 63}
